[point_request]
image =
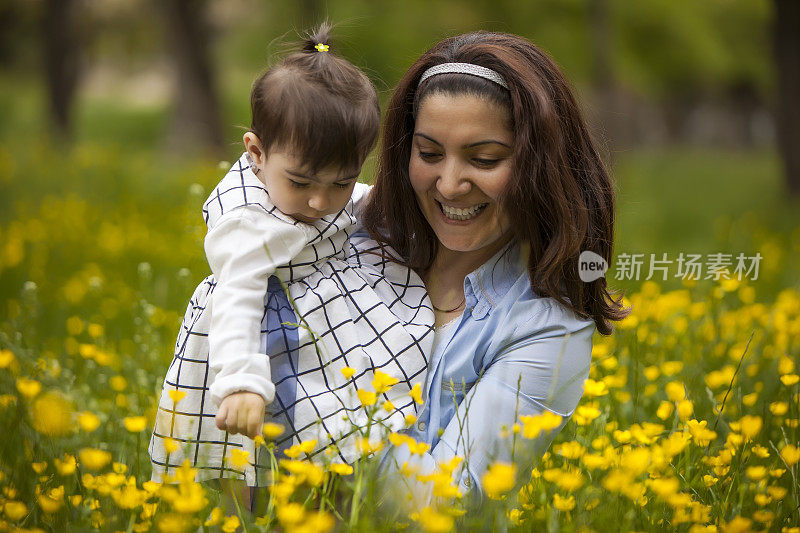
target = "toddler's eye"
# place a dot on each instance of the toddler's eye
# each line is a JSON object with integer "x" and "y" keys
{"x": 298, "y": 184}
{"x": 343, "y": 185}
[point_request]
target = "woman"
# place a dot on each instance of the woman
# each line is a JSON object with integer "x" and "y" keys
{"x": 489, "y": 187}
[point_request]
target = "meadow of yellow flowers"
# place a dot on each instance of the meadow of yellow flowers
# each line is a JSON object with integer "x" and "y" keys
{"x": 689, "y": 420}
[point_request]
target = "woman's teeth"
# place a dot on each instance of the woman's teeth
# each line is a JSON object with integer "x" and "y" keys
{"x": 462, "y": 213}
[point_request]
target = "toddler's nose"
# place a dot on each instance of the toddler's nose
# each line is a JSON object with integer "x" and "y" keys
{"x": 318, "y": 202}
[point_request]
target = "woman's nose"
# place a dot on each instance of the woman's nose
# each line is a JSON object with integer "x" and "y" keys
{"x": 452, "y": 181}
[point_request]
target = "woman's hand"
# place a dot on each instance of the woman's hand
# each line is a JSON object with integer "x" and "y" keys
{"x": 241, "y": 412}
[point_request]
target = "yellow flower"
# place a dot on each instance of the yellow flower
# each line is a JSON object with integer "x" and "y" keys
{"x": 563, "y": 504}
{"x": 51, "y": 414}
{"x": 216, "y": 517}
{"x": 651, "y": 373}
{"x": 366, "y": 447}
{"x": 304, "y": 447}
{"x": 341, "y": 469}
{"x": 88, "y": 421}
{"x": 685, "y": 409}
{"x": 118, "y": 383}
{"x": 756, "y": 473}
{"x": 776, "y": 492}
{"x": 65, "y": 467}
{"x": 272, "y": 431}
{"x": 319, "y": 522}
{"x": 750, "y": 426}
{"x": 664, "y": 410}
{"x": 258, "y": 440}
{"x": 790, "y": 379}
{"x": 592, "y": 461}
{"x": 366, "y": 397}
{"x": 416, "y": 393}
{"x": 388, "y": 406}
{"x": 584, "y": 414}
{"x": 170, "y": 444}
{"x": 134, "y": 424}
{"x": 594, "y": 388}
{"x": 570, "y": 450}
{"x": 636, "y": 461}
{"x": 151, "y": 487}
{"x": 410, "y": 419}
{"x": 382, "y": 382}
{"x": 29, "y": 388}
{"x": 785, "y": 365}
{"x": 498, "y": 480}
{"x": 95, "y": 330}
{"x": 129, "y": 497}
{"x": 15, "y": 510}
{"x": 239, "y": 458}
{"x": 570, "y": 481}
{"x": 6, "y": 358}
{"x": 778, "y": 408}
{"x": 700, "y": 434}
{"x": 305, "y": 471}
{"x": 762, "y": 500}
{"x": 790, "y": 454}
{"x": 348, "y": 372}
{"x": 231, "y": 524}
{"x": 172, "y": 523}
{"x": 290, "y": 513}
{"x": 761, "y": 451}
{"x": 433, "y": 521}
{"x": 533, "y": 425}
{"x": 675, "y": 391}
{"x": 177, "y": 395}
{"x": 709, "y": 480}
{"x": 94, "y": 459}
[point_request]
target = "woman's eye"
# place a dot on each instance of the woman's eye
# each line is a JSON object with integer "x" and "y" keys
{"x": 485, "y": 162}
{"x": 342, "y": 185}
{"x": 428, "y": 156}
{"x": 298, "y": 184}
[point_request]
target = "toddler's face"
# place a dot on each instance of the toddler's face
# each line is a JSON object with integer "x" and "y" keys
{"x": 301, "y": 195}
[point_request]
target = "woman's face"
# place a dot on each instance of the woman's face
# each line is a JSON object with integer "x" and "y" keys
{"x": 460, "y": 164}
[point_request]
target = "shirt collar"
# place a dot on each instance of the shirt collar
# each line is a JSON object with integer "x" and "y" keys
{"x": 485, "y": 286}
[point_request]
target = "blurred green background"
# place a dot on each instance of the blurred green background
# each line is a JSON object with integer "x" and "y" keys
{"x": 116, "y": 115}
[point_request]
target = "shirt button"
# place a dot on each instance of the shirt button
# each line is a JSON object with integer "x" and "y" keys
{"x": 421, "y": 426}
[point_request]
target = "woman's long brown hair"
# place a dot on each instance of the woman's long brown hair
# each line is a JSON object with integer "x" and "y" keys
{"x": 560, "y": 199}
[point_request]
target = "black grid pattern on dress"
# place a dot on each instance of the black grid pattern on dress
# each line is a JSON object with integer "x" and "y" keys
{"x": 353, "y": 308}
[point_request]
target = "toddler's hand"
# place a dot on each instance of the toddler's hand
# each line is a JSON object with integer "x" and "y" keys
{"x": 242, "y": 412}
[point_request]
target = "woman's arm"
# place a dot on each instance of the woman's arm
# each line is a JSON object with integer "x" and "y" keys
{"x": 243, "y": 250}
{"x": 543, "y": 370}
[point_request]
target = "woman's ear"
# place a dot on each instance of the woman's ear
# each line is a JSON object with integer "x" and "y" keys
{"x": 253, "y": 146}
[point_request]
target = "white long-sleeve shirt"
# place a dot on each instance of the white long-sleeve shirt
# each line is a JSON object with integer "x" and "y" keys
{"x": 245, "y": 245}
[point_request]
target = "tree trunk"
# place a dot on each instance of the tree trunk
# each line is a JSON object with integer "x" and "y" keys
{"x": 61, "y": 61}
{"x": 196, "y": 122}
{"x": 787, "y": 60}
{"x": 609, "y": 123}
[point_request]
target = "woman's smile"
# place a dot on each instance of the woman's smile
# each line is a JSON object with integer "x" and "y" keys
{"x": 461, "y": 163}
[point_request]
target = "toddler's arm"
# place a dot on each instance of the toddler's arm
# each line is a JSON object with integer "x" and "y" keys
{"x": 243, "y": 249}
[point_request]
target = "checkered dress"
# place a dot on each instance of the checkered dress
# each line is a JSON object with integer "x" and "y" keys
{"x": 339, "y": 303}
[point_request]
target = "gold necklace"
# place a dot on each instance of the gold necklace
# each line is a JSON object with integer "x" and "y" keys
{"x": 449, "y": 310}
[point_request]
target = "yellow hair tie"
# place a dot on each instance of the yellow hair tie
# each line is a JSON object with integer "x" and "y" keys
{"x": 322, "y": 47}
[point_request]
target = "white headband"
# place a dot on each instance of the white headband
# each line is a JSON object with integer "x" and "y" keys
{"x": 464, "y": 68}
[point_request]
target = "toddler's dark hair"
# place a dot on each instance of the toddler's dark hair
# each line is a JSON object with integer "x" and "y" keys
{"x": 318, "y": 105}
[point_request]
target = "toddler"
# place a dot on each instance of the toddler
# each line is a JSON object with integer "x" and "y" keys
{"x": 291, "y": 304}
